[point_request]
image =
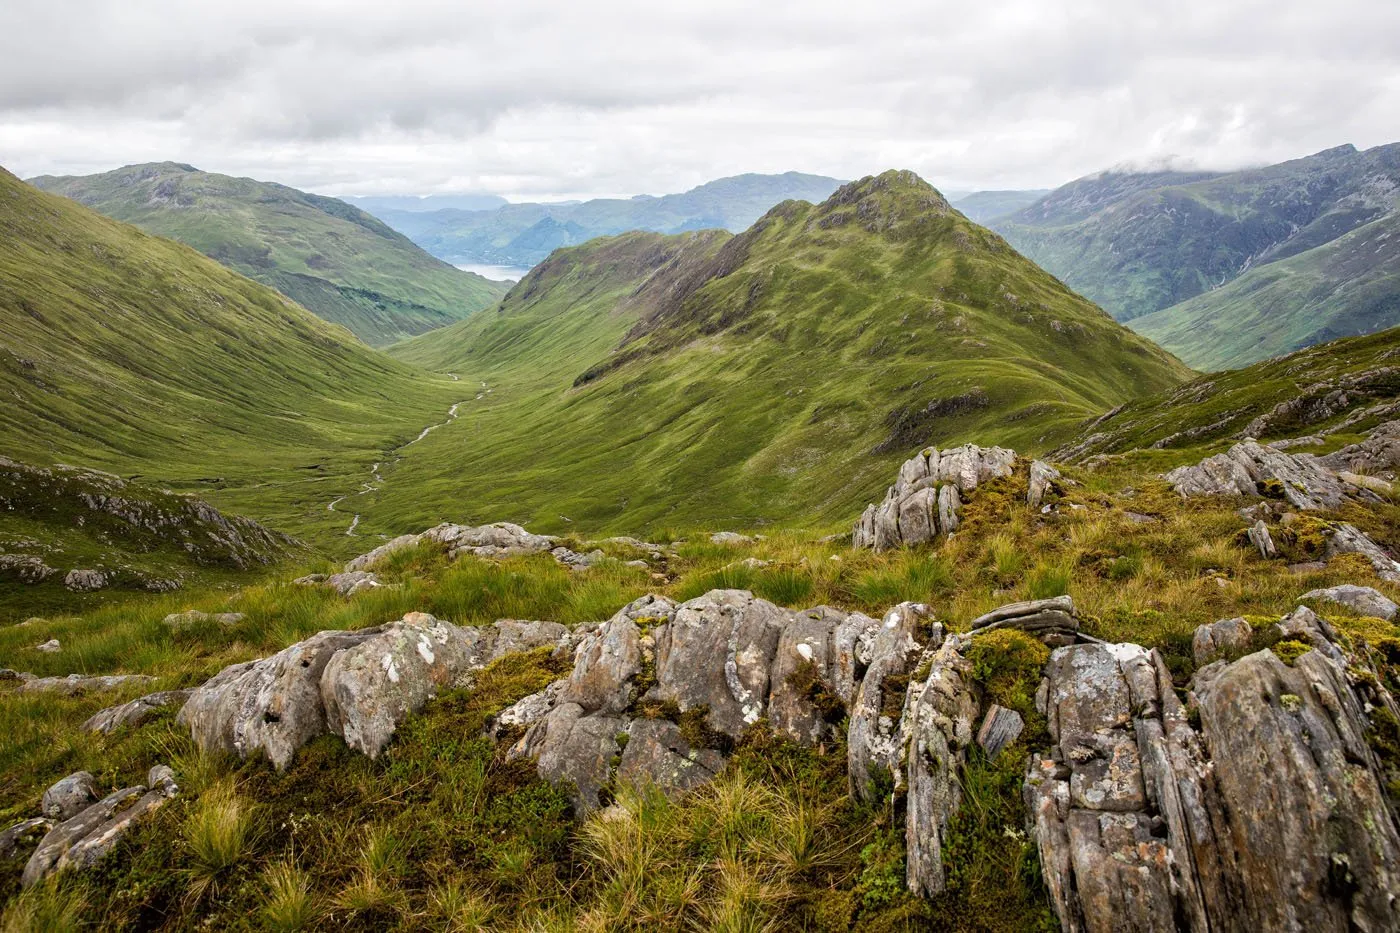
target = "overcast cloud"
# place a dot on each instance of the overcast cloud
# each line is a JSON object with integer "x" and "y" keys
{"x": 534, "y": 99}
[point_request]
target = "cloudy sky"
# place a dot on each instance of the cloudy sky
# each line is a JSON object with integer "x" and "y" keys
{"x": 566, "y": 99}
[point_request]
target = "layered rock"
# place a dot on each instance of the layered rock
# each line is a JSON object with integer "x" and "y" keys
{"x": 359, "y": 685}
{"x": 927, "y": 496}
{"x": 1249, "y": 469}
{"x": 1360, "y": 599}
{"x": 135, "y": 712}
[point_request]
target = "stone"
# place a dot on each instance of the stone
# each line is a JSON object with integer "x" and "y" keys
{"x": 576, "y": 561}
{"x": 1369, "y": 483}
{"x": 52, "y": 646}
{"x": 1052, "y": 620}
{"x": 730, "y": 537}
{"x": 926, "y": 497}
{"x": 1247, "y": 469}
{"x": 25, "y": 567}
{"x": 527, "y": 711}
{"x": 574, "y": 749}
{"x": 1216, "y": 638}
{"x": 1348, "y": 539}
{"x": 1375, "y": 457}
{"x": 1000, "y": 727}
{"x": 368, "y": 561}
{"x": 69, "y": 797}
{"x": 74, "y": 684}
{"x": 273, "y": 705}
{"x": 657, "y": 755}
{"x": 21, "y": 836}
{"x": 717, "y": 653}
{"x": 98, "y": 842}
{"x": 1360, "y": 599}
{"x": 500, "y": 539}
{"x": 131, "y": 714}
{"x": 368, "y": 688}
{"x": 352, "y": 581}
{"x": 1259, "y": 536}
{"x": 1042, "y": 481}
{"x": 873, "y": 735}
{"x": 85, "y": 581}
{"x": 182, "y": 620}
{"x": 823, "y": 644}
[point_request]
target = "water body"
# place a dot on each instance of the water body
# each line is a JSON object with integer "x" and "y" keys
{"x": 498, "y": 273}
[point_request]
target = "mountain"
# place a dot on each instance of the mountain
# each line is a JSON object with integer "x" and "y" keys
{"x": 134, "y": 354}
{"x": 334, "y": 259}
{"x": 1285, "y": 253}
{"x": 1350, "y": 285}
{"x": 524, "y": 234}
{"x": 427, "y": 202}
{"x": 1338, "y": 388}
{"x": 645, "y": 379}
{"x": 983, "y": 206}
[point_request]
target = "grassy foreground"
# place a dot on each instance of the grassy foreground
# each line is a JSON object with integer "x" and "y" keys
{"x": 443, "y": 833}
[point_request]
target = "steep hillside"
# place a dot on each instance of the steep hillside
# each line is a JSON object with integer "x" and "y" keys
{"x": 134, "y": 354}
{"x": 645, "y": 380}
{"x": 334, "y": 259}
{"x": 524, "y": 234}
{"x": 1329, "y": 392}
{"x": 1140, "y": 243}
{"x": 1350, "y": 285}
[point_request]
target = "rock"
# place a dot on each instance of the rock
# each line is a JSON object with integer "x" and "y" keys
{"x": 1348, "y": 539}
{"x": 79, "y": 683}
{"x": 367, "y": 561}
{"x": 311, "y": 579}
{"x": 1370, "y": 483}
{"x": 575, "y": 749}
{"x": 754, "y": 563}
{"x": 26, "y": 568}
{"x": 1248, "y": 469}
{"x": 1052, "y": 620}
{"x": 925, "y": 499}
{"x": 936, "y": 730}
{"x": 872, "y": 737}
{"x": 501, "y": 539}
{"x": 21, "y": 835}
{"x": 657, "y": 754}
{"x": 528, "y": 711}
{"x": 52, "y": 646}
{"x": 272, "y": 705}
{"x": 717, "y": 652}
{"x": 730, "y": 537}
{"x": 1360, "y": 599}
{"x": 1042, "y": 480}
{"x": 1259, "y": 536}
{"x": 1217, "y": 638}
{"x": 1378, "y": 455}
{"x": 512, "y": 636}
{"x": 1000, "y": 727}
{"x": 92, "y": 847}
{"x": 69, "y": 797}
{"x": 352, "y": 581}
{"x": 368, "y": 688}
{"x": 576, "y": 561}
{"x": 183, "y": 620}
{"x": 134, "y": 713}
{"x": 819, "y": 649}
{"x": 85, "y": 581}
{"x": 1139, "y": 518}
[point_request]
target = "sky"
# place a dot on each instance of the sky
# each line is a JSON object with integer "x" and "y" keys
{"x": 546, "y": 100}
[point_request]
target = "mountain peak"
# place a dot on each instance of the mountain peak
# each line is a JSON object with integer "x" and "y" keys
{"x": 890, "y": 200}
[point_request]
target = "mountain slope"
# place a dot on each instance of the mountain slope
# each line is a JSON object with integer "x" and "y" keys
{"x": 1348, "y": 286}
{"x": 983, "y": 206}
{"x": 1336, "y": 389}
{"x": 524, "y": 234}
{"x": 1138, "y": 243}
{"x": 131, "y": 353}
{"x": 335, "y": 260}
{"x": 646, "y": 380}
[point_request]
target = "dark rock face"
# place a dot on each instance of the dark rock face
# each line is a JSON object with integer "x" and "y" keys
{"x": 925, "y": 500}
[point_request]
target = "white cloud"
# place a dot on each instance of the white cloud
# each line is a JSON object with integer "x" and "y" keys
{"x": 537, "y": 99}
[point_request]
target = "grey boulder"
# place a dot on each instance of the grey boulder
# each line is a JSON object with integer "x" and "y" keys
{"x": 1361, "y": 599}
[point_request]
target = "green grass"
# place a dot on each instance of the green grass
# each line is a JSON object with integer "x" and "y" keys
{"x": 333, "y": 259}
{"x": 136, "y": 355}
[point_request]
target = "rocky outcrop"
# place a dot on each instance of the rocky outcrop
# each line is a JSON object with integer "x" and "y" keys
{"x": 83, "y": 838}
{"x": 1249, "y": 469}
{"x": 1269, "y": 816}
{"x": 1377, "y": 455}
{"x": 85, "y": 581}
{"x": 358, "y": 685}
{"x": 178, "y": 621}
{"x": 79, "y": 683}
{"x": 1263, "y": 542}
{"x": 873, "y": 737}
{"x": 134, "y": 713}
{"x": 20, "y": 837}
{"x": 69, "y": 797}
{"x": 1043, "y": 478}
{"x": 501, "y": 539}
{"x": 26, "y": 568}
{"x": 1348, "y": 539}
{"x": 927, "y": 496}
{"x": 1052, "y": 620}
{"x": 1360, "y": 599}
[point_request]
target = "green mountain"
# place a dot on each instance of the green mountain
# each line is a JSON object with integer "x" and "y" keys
{"x": 778, "y": 375}
{"x": 1333, "y": 390}
{"x": 524, "y": 234}
{"x": 335, "y": 260}
{"x": 135, "y": 354}
{"x": 1142, "y": 243}
{"x": 983, "y": 206}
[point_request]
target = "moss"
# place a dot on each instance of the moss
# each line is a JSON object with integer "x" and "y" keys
{"x": 1007, "y": 664}
{"x": 1271, "y": 489}
{"x": 1384, "y": 739}
{"x": 1290, "y": 650}
{"x": 695, "y": 729}
{"x": 1307, "y": 535}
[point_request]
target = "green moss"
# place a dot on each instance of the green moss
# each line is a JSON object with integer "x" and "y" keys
{"x": 807, "y": 680}
{"x": 1290, "y": 650}
{"x": 1307, "y": 535}
{"x": 1008, "y": 664}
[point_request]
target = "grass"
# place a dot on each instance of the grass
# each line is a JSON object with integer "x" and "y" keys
{"x": 331, "y": 258}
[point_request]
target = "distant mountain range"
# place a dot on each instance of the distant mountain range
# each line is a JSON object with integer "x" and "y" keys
{"x": 1226, "y": 268}
{"x": 334, "y": 259}
{"x": 427, "y": 202}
